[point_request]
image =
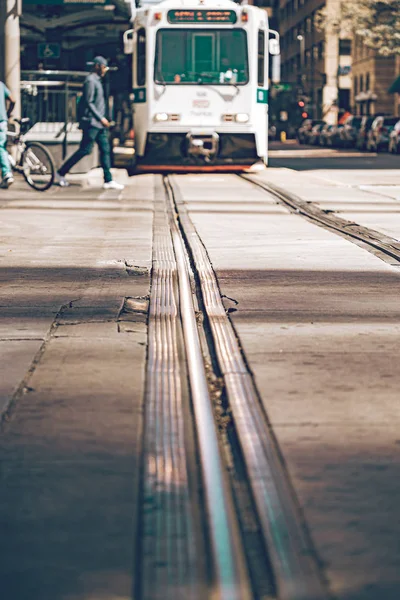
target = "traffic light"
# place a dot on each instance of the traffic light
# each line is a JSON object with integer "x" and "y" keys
{"x": 304, "y": 115}
{"x": 301, "y": 104}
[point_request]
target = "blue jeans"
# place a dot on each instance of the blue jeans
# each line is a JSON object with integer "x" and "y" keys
{"x": 4, "y": 162}
{"x": 90, "y": 136}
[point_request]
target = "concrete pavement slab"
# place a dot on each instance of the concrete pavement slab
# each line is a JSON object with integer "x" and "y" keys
{"x": 318, "y": 320}
{"x": 71, "y": 447}
{"x": 347, "y": 480}
{"x": 343, "y": 192}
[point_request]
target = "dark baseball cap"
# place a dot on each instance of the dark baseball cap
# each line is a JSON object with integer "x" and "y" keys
{"x": 100, "y": 60}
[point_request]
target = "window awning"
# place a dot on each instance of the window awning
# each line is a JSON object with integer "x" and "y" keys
{"x": 395, "y": 87}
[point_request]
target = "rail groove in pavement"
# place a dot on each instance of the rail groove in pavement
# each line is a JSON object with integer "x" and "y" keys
{"x": 384, "y": 247}
{"x": 166, "y": 522}
{"x": 297, "y": 575}
{"x": 168, "y": 547}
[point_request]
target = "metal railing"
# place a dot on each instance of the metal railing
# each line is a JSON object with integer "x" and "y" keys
{"x": 50, "y": 100}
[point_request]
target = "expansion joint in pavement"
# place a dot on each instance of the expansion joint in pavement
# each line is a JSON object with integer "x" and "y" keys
{"x": 379, "y": 244}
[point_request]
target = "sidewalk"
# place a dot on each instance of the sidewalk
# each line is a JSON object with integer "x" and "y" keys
{"x": 71, "y": 259}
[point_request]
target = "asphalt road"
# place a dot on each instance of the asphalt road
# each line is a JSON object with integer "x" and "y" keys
{"x": 302, "y": 158}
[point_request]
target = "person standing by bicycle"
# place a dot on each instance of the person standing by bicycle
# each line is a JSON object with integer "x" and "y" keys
{"x": 94, "y": 124}
{"x": 5, "y": 112}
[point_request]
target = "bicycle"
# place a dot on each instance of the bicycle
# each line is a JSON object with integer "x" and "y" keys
{"x": 32, "y": 160}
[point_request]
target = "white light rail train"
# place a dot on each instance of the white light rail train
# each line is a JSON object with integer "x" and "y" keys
{"x": 200, "y": 84}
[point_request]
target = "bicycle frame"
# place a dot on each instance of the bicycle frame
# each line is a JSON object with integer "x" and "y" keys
{"x": 18, "y": 143}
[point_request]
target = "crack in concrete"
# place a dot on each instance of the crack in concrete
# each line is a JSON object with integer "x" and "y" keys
{"x": 23, "y": 387}
{"x": 84, "y": 322}
{"x": 229, "y": 298}
{"x": 135, "y": 270}
{"x": 27, "y": 339}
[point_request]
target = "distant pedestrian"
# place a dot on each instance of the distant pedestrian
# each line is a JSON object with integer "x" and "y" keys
{"x": 94, "y": 125}
{"x": 5, "y": 112}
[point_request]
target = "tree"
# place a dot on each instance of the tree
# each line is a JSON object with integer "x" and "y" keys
{"x": 377, "y": 22}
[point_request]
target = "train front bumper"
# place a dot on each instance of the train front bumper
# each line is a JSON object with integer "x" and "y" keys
{"x": 199, "y": 146}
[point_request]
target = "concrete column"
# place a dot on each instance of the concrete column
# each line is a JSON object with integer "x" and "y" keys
{"x": 10, "y": 70}
{"x": 330, "y": 91}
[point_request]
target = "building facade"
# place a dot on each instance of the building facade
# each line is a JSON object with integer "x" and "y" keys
{"x": 316, "y": 56}
{"x": 373, "y": 75}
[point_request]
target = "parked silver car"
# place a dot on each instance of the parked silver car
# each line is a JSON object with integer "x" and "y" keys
{"x": 333, "y": 137}
{"x": 394, "y": 139}
{"x": 379, "y": 134}
{"x": 362, "y": 135}
{"x": 315, "y": 133}
{"x": 304, "y": 131}
{"x": 349, "y": 131}
{"x": 324, "y": 135}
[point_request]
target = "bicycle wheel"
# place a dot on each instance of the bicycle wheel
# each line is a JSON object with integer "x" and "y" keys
{"x": 38, "y": 166}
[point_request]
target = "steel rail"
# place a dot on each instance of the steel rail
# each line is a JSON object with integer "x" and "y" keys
{"x": 230, "y": 578}
{"x": 387, "y": 247}
{"x": 296, "y": 571}
{"x": 166, "y": 526}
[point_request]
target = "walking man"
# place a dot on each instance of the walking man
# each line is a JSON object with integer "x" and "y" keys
{"x": 5, "y": 98}
{"x": 93, "y": 122}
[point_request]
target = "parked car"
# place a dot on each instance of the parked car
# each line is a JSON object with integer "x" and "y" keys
{"x": 362, "y": 135}
{"x": 333, "y": 138}
{"x": 394, "y": 139}
{"x": 325, "y": 133}
{"x": 303, "y": 133}
{"x": 315, "y": 134}
{"x": 349, "y": 131}
{"x": 379, "y": 134}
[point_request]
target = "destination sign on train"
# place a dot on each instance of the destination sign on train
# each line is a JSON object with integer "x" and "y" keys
{"x": 202, "y": 16}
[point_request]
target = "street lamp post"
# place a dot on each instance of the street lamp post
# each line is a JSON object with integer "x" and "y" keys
{"x": 302, "y": 41}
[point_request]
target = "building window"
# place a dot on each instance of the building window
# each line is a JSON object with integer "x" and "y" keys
{"x": 367, "y": 82}
{"x": 345, "y": 47}
{"x": 321, "y": 50}
{"x": 355, "y": 86}
{"x": 361, "y": 83}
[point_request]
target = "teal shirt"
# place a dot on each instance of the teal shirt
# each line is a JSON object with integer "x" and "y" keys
{"x": 4, "y": 94}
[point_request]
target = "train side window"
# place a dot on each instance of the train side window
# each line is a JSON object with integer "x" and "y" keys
{"x": 141, "y": 58}
{"x": 261, "y": 58}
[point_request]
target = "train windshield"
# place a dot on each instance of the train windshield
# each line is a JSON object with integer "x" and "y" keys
{"x": 201, "y": 56}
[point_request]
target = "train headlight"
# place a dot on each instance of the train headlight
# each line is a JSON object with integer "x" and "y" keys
{"x": 161, "y": 117}
{"x": 242, "y": 118}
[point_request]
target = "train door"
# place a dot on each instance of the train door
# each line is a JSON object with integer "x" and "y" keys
{"x": 140, "y": 90}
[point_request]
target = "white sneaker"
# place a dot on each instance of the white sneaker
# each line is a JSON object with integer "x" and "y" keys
{"x": 7, "y": 181}
{"x": 113, "y": 185}
{"x": 60, "y": 180}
